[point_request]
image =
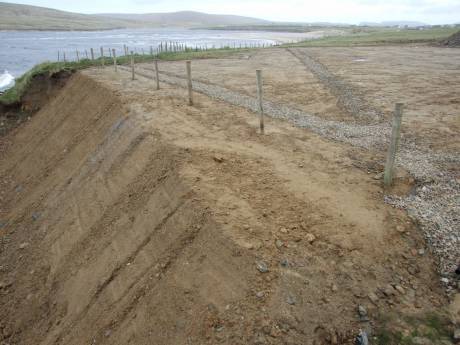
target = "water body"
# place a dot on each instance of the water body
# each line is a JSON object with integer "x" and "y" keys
{"x": 21, "y": 50}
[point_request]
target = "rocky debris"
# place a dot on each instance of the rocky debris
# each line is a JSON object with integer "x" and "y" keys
{"x": 260, "y": 294}
{"x": 334, "y": 288}
{"x": 261, "y": 266}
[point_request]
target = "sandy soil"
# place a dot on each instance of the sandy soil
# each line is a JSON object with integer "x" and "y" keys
{"x": 129, "y": 217}
{"x": 425, "y": 79}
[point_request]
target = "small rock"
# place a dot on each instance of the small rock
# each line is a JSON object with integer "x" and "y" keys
{"x": 310, "y": 238}
{"x": 279, "y": 244}
{"x": 284, "y": 262}
{"x": 389, "y": 291}
{"x": 291, "y": 300}
{"x": 421, "y": 251}
{"x": 362, "y": 339}
{"x": 400, "y": 229}
{"x": 413, "y": 270}
{"x": 284, "y": 230}
{"x": 379, "y": 176}
{"x": 218, "y": 159}
{"x": 23, "y": 245}
{"x": 400, "y": 289}
{"x": 457, "y": 335}
{"x": 260, "y": 294}
{"x": 445, "y": 280}
{"x": 334, "y": 288}
{"x": 262, "y": 267}
{"x": 35, "y": 215}
{"x": 373, "y": 297}
{"x": 362, "y": 312}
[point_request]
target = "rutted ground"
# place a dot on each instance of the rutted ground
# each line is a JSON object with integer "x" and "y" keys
{"x": 129, "y": 217}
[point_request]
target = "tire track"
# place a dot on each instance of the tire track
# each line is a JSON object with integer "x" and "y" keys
{"x": 349, "y": 98}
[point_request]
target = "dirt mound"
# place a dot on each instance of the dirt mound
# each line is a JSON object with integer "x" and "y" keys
{"x": 452, "y": 41}
{"x": 128, "y": 217}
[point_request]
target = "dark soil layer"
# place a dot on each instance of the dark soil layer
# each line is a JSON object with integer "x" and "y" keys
{"x": 42, "y": 88}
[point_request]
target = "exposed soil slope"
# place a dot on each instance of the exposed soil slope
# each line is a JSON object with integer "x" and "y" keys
{"x": 452, "y": 41}
{"x": 128, "y": 217}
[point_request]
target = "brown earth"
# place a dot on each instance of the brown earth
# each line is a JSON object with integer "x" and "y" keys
{"x": 41, "y": 90}
{"x": 128, "y": 217}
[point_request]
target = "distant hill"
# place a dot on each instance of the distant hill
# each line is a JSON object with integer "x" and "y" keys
{"x": 25, "y": 17}
{"x": 184, "y": 18}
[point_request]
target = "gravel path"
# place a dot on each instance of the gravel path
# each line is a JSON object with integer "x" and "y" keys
{"x": 349, "y": 98}
{"x": 435, "y": 203}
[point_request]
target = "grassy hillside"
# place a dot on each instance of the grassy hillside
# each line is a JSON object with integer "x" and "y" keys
{"x": 184, "y": 18}
{"x": 25, "y": 17}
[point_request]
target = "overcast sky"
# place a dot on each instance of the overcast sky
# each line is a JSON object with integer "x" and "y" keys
{"x": 345, "y": 11}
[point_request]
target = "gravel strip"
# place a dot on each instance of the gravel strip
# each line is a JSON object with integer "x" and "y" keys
{"x": 349, "y": 98}
{"x": 435, "y": 203}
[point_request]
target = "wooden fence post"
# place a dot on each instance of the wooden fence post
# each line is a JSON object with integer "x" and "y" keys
{"x": 132, "y": 65}
{"x": 393, "y": 148}
{"x": 189, "y": 82}
{"x": 78, "y": 56}
{"x": 157, "y": 78}
{"x": 114, "y": 59}
{"x": 102, "y": 57}
{"x": 63, "y": 55}
{"x": 58, "y": 56}
{"x": 92, "y": 54}
{"x": 86, "y": 54}
{"x": 260, "y": 99}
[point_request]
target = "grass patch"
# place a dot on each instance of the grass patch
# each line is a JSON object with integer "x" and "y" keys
{"x": 14, "y": 94}
{"x": 395, "y": 331}
{"x": 368, "y": 36}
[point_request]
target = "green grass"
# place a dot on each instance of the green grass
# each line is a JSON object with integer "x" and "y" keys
{"x": 377, "y": 36}
{"x": 432, "y": 326}
{"x": 14, "y": 94}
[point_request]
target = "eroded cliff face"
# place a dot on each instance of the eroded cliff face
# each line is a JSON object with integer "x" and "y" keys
{"x": 128, "y": 217}
{"x": 41, "y": 90}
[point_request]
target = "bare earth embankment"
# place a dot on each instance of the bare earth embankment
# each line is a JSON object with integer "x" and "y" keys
{"x": 128, "y": 217}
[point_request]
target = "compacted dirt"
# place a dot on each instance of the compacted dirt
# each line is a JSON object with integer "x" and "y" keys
{"x": 129, "y": 217}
